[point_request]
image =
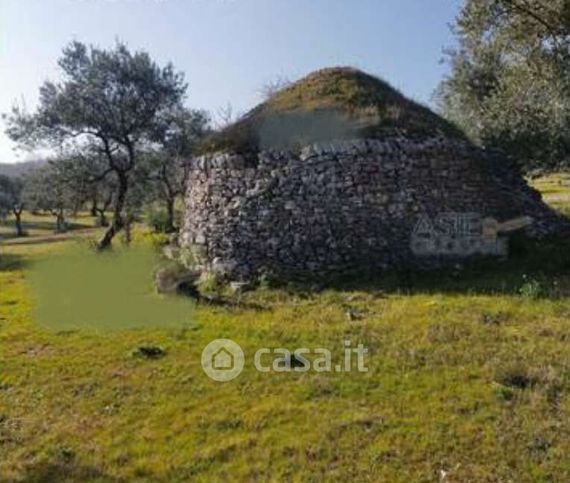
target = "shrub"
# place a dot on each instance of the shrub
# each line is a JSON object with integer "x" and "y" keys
{"x": 267, "y": 280}
{"x": 157, "y": 219}
{"x": 187, "y": 257}
{"x": 144, "y": 237}
{"x": 210, "y": 285}
{"x": 157, "y": 240}
{"x": 531, "y": 288}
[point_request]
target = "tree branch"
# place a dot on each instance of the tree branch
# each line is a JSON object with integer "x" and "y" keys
{"x": 526, "y": 10}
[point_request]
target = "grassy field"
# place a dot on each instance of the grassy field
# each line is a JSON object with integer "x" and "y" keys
{"x": 468, "y": 380}
{"x": 556, "y": 191}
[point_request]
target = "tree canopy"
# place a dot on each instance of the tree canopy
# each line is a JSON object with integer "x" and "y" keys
{"x": 110, "y": 103}
{"x": 175, "y": 140}
{"x": 12, "y": 200}
{"x": 510, "y": 80}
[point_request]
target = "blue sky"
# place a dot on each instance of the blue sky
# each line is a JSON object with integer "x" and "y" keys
{"x": 228, "y": 49}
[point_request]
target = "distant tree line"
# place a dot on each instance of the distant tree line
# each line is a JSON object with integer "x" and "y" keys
{"x": 509, "y": 85}
{"x": 11, "y": 200}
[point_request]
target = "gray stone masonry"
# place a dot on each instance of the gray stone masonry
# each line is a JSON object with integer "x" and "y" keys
{"x": 342, "y": 206}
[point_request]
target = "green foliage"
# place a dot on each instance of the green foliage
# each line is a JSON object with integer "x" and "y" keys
{"x": 210, "y": 285}
{"x": 157, "y": 218}
{"x": 176, "y": 135}
{"x": 146, "y": 238}
{"x": 187, "y": 257}
{"x": 510, "y": 80}
{"x": 267, "y": 281}
{"x": 110, "y": 102}
{"x": 46, "y": 190}
{"x": 531, "y": 288}
{"x": 111, "y": 96}
{"x": 10, "y": 195}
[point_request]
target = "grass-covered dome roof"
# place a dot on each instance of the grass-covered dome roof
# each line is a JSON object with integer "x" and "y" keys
{"x": 333, "y": 103}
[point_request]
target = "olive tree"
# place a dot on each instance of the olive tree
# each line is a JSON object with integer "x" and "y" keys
{"x": 509, "y": 85}
{"x": 107, "y": 100}
{"x": 176, "y": 137}
{"x": 11, "y": 200}
{"x": 87, "y": 180}
{"x": 46, "y": 190}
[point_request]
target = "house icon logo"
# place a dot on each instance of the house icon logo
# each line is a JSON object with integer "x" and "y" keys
{"x": 222, "y": 360}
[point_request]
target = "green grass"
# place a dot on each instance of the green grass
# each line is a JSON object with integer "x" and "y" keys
{"x": 556, "y": 191}
{"x": 468, "y": 374}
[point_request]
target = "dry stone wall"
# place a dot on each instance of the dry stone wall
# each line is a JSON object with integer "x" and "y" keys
{"x": 341, "y": 206}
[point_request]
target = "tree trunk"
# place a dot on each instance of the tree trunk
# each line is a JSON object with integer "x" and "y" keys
{"x": 19, "y": 228}
{"x": 94, "y": 208}
{"x": 118, "y": 223}
{"x": 128, "y": 234}
{"x": 60, "y": 222}
{"x": 170, "y": 228}
{"x": 115, "y": 227}
{"x": 102, "y": 219}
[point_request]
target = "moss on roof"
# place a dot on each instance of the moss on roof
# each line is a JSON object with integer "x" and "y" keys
{"x": 333, "y": 103}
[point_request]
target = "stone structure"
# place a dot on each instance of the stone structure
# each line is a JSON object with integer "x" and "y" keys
{"x": 345, "y": 205}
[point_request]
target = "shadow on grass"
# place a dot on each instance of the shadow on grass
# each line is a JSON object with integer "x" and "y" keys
{"x": 47, "y": 226}
{"x": 11, "y": 263}
{"x": 539, "y": 269}
{"x": 40, "y": 239}
{"x": 65, "y": 472}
